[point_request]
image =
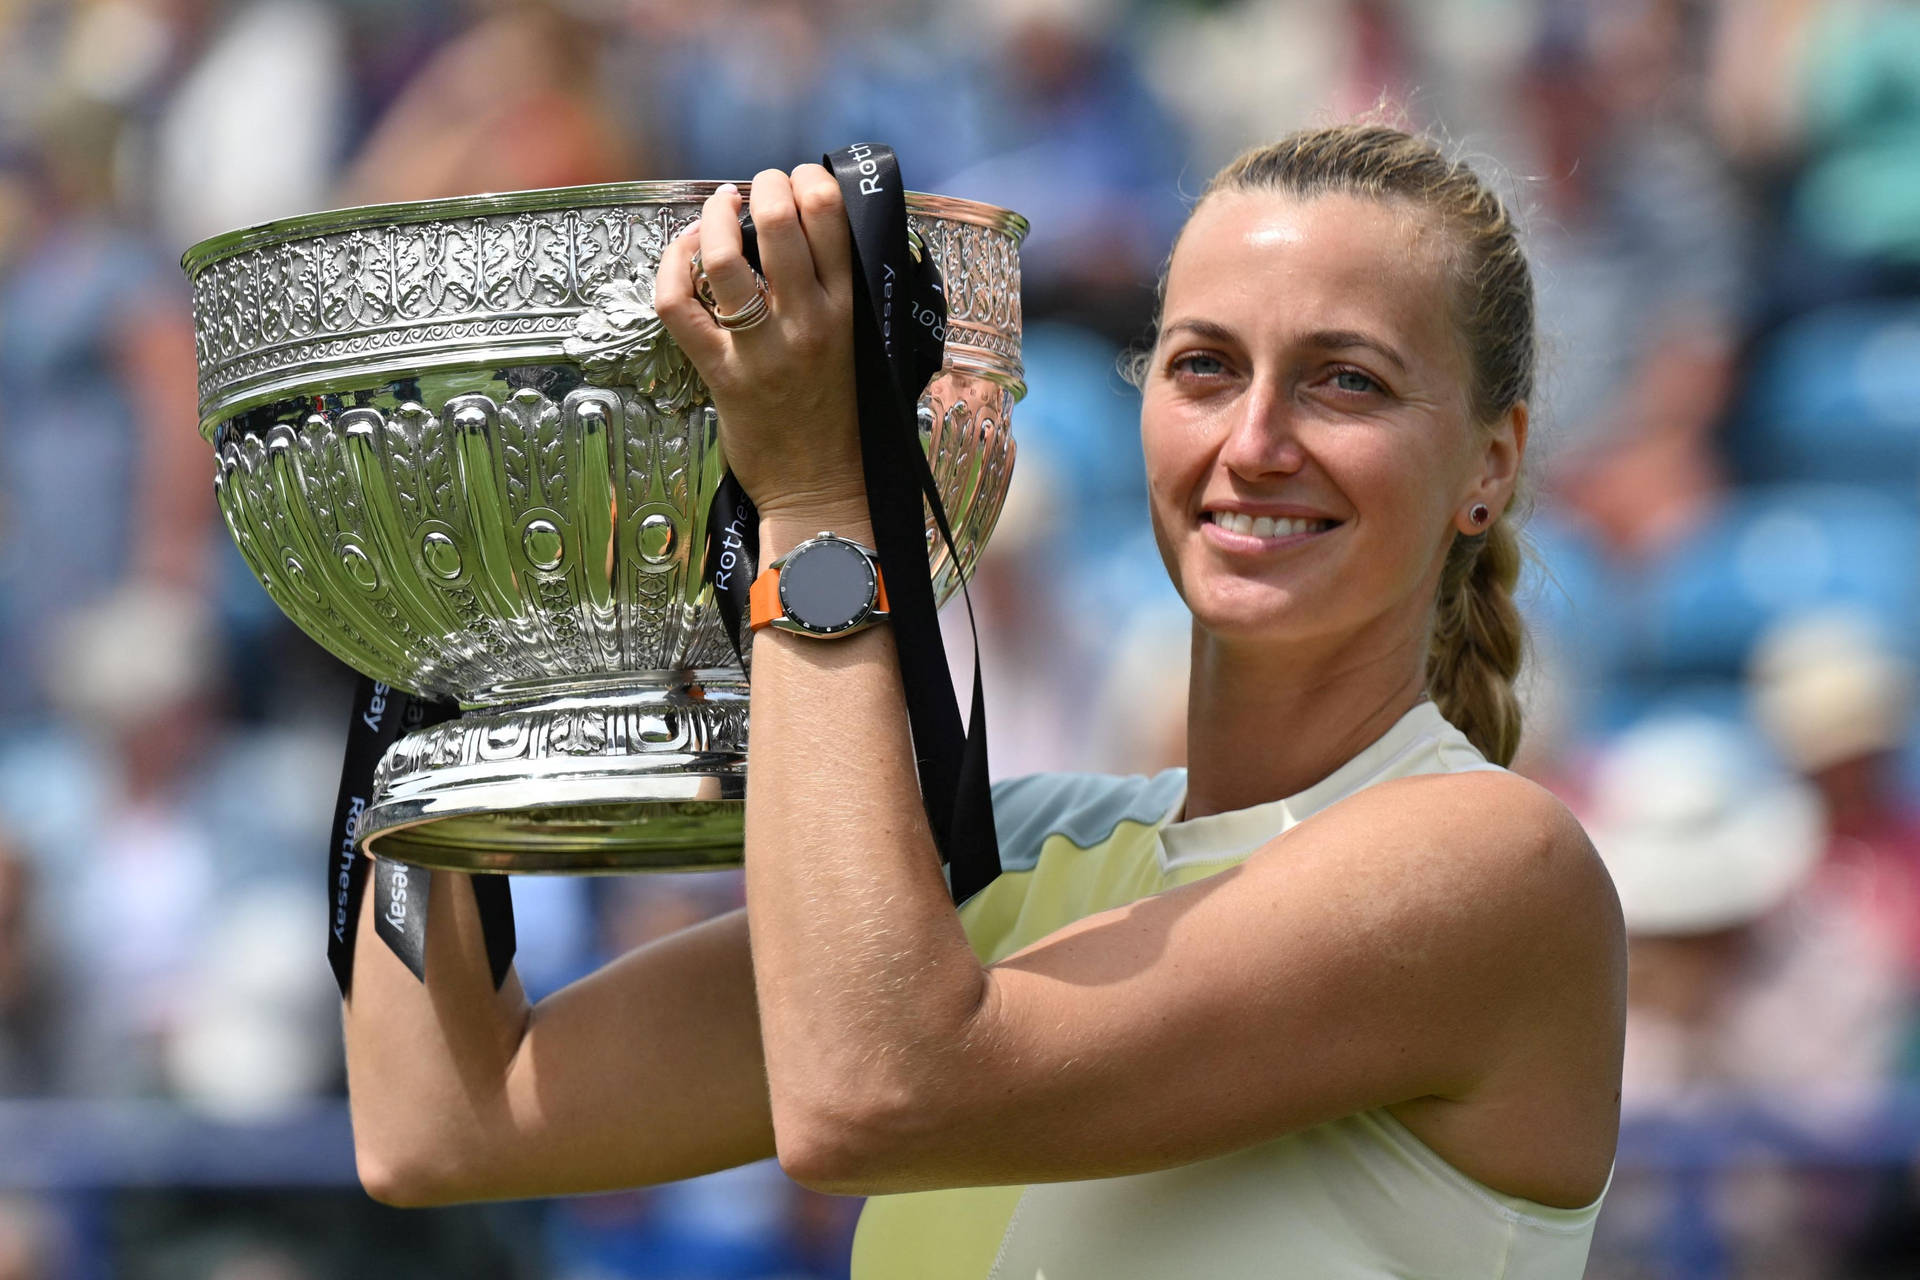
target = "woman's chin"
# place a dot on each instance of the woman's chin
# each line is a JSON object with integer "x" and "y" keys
{"x": 1250, "y": 613}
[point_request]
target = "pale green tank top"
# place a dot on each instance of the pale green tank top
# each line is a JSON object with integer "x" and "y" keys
{"x": 1357, "y": 1197}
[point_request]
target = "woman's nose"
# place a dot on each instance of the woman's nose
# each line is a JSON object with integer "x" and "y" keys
{"x": 1262, "y": 436}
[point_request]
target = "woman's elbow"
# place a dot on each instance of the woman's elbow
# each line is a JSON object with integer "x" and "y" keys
{"x": 391, "y": 1183}
{"x": 844, "y": 1151}
{"x": 405, "y": 1179}
{"x": 818, "y": 1156}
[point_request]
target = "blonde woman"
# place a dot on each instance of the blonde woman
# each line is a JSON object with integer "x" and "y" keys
{"x": 1342, "y": 998}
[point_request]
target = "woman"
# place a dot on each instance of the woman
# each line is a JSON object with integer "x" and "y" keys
{"x": 1344, "y": 998}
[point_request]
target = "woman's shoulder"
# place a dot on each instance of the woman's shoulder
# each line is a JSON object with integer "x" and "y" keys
{"x": 1480, "y": 843}
{"x": 1480, "y": 813}
{"x": 1495, "y": 877}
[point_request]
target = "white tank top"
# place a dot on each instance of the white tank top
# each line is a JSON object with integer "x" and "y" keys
{"x": 1358, "y": 1197}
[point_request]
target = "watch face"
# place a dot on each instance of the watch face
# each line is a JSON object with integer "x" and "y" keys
{"x": 827, "y": 586}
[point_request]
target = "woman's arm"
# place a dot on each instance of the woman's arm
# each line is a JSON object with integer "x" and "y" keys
{"x": 1415, "y": 940}
{"x": 1439, "y": 937}
{"x": 646, "y": 1071}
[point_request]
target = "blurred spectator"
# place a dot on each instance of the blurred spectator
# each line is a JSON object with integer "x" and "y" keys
{"x": 1078, "y": 142}
{"x": 514, "y": 102}
{"x": 312, "y": 1234}
{"x": 242, "y": 137}
{"x": 1035, "y": 662}
{"x": 96, "y": 397}
{"x": 636, "y": 910}
{"x": 1747, "y": 981}
{"x": 1836, "y": 697}
{"x": 1139, "y": 720}
{"x": 735, "y": 86}
{"x": 1824, "y": 96}
{"x": 1638, "y": 254}
{"x": 137, "y": 670}
{"x": 258, "y": 1032}
{"x": 1080, "y": 425}
{"x": 1244, "y": 72}
{"x": 1743, "y": 974}
{"x": 553, "y": 925}
{"x": 1547, "y": 700}
{"x": 1071, "y": 578}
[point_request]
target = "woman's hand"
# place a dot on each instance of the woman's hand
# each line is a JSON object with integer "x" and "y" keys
{"x": 784, "y": 387}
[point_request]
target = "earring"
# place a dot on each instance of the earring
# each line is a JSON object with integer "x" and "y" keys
{"x": 1479, "y": 514}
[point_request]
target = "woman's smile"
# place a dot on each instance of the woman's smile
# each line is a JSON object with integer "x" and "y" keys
{"x": 1238, "y": 530}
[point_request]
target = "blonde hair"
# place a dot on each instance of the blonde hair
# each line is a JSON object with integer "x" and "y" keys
{"x": 1474, "y": 653}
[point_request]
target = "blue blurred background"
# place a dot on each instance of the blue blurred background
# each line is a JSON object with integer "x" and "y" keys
{"x": 1723, "y": 199}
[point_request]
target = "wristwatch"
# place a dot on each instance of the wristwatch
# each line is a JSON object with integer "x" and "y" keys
{"x": 827, "y": 586}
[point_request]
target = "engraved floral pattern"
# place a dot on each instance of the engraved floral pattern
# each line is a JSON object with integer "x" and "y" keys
{"x": 621, "y": 341}
{"x": 526, "y": 287}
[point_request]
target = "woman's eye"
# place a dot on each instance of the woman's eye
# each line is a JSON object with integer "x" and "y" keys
{"x": 1352, "y": 380}
{"x": 1199, "y": 364}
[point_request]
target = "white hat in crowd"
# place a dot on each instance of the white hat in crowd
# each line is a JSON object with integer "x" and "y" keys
{"x": 1829, "y": 687}
{"x": 1699, "y": 830}
{"x": 137, "y": 652}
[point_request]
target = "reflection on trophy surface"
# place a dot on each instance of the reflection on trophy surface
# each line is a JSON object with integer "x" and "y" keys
{"x": 458, "y": 448}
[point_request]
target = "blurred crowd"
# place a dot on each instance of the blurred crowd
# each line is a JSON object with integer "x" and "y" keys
{"x": 1723, "y": 199}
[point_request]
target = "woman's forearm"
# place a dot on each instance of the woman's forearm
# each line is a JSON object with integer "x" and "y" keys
{"x": 867, "y": 984}
{"x": 646, "y": 1070}
{"x": 427, "y": 1062}
{"x": 867, "y": 989}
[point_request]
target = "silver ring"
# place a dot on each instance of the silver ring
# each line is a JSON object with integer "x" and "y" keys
{"x": 749, "y": 315}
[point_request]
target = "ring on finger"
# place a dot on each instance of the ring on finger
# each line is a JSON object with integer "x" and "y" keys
{"x": 747, "y": 316}
{"x": 703, "y": 290}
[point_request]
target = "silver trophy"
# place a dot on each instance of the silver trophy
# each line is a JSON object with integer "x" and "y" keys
{"x": 458, "y": 448}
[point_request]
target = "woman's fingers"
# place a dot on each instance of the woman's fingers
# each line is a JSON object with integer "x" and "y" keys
{"x": 721, "y": 258}
{"x": 784, "y": 256}
{"x": 805, "y": 253}
{"x": 823, "y": 216}
{"x": 795, "y": 365}
{"x": 673, "y": 301}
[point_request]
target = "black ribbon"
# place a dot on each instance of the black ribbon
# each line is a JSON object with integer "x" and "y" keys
{"x": 381, "y": 715}
{"x": 400, "y": 911}
{"x": 899, "y": 327}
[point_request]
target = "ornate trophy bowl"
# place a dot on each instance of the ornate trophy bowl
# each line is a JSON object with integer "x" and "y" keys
{"x": 457, "y": 447}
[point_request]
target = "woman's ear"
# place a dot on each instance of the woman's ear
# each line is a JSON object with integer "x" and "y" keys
{"x": 1506, "y": 450}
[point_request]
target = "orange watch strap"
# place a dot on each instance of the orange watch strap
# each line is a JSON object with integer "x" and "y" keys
{"x": 763, "y": 598}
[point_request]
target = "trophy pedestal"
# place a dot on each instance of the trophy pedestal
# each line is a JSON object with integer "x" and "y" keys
{"x": 642, "y": 772}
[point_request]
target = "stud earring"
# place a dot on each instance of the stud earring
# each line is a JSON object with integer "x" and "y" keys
{"x": 1479, "y": 514}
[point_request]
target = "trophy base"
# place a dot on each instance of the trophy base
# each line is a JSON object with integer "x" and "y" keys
{"x": 645, "y": 771}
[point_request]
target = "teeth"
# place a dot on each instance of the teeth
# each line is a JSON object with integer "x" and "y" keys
{"x": 1267, "y": 526}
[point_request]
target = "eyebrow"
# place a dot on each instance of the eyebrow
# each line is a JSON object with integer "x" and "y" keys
{"x": 1326, "y": 339}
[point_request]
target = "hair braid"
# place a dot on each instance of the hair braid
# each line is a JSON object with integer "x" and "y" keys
{"x": 1478, "y": 641}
